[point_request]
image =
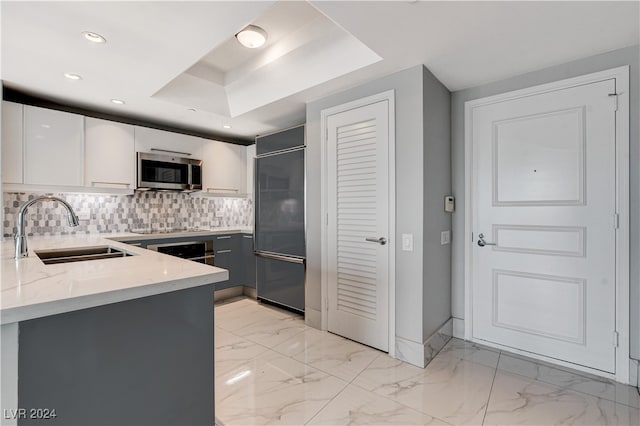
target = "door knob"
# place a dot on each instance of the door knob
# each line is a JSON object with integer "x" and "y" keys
{"x": 382, "y": 240}
{"x": 482, "y": 242}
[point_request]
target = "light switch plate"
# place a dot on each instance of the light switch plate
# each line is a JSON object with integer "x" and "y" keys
{"x": 445, "y": 237}
{"x": 407, "y": 242}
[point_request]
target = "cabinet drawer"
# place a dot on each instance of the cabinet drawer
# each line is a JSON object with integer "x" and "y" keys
{"x": 225, "y": 242}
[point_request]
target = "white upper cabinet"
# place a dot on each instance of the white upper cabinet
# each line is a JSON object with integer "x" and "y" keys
{"x": 53, "y": 147}
{"x": 110, "y": 157}
{"x": 167, "y": 143}
{"x": 251, "y": 157}
{"x": 11, "y": 142}
{"x": 224, "y": 168}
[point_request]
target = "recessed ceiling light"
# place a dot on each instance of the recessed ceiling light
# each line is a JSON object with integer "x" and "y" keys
{"x": 72, "y": 76}
{"x": 94, "y": 37}
{"x": 252, "y": 36}
{"x": 118, "y": 101}
{"x": 226, "y": 126}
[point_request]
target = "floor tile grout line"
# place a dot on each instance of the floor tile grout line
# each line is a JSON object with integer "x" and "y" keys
{"x": 495, "y": 373}
{"x": 327, "y": 403}
{"x": 346, "y": 386}
{"x": 565, "y": 388}
{"x": 570, "y": 389}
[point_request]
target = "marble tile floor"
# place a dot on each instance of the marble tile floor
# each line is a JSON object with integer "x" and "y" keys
{"x": 272, "y": 369}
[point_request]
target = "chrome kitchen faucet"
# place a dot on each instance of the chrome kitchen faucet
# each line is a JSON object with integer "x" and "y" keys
{"x": 21, "y": 237}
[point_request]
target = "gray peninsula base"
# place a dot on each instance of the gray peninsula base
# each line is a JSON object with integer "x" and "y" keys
{"x": 146, "y": 361}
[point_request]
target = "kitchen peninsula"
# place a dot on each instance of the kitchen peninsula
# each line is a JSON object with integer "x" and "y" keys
{"x": 126, "y": 340}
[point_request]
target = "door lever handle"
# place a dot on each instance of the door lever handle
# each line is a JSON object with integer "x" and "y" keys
{"x": 382, "y": 240}
{"x": 482, "y": 242}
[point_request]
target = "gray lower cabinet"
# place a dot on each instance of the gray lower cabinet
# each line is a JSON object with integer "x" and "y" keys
{"x": 233, "y": 252}
{"x": 248, "y": 261}
{"x": 226, "y": 249}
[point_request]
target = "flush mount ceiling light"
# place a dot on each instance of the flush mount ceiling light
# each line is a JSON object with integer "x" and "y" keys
{"x": 226, "y": 126}
{"x": 94, "y": 37}
{"x": 252, "y": 36}
{"x": 72, "y": 76}
{"x": 118, "y": 101}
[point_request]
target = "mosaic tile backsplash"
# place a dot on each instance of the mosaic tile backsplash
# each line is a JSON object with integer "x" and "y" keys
{"x": 122, "y": 213}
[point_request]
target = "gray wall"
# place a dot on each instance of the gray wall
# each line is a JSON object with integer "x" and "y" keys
{"x": 409, "y": 139}
{"x": 423, "y": 289}
{"x": 436, "y": 296}
{"x": 626, "y": 56}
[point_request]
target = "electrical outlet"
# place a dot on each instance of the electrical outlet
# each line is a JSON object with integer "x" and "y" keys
{"x": 219, "y": 214}
{"x": 84, "y": 214}
{"x": 445, "y": 237}
{"x": 407, "y": 242}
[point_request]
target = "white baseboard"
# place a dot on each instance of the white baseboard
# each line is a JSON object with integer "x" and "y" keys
{"x": 421, "y": 354}
{"x": 434, "y": 344}
{"x": 410, "y": 351}
{"x": 458, "y": 328}
{"x": 312, "y": 318}
{"x": 634, "y": 372}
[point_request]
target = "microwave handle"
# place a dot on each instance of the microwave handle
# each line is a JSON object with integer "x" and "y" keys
{"x": 169, "y": 151}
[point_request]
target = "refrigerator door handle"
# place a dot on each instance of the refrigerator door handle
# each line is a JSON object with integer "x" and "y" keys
{"x": 280, "y": 257}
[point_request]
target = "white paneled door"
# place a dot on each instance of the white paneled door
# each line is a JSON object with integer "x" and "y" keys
{"x": 358, "y": 224}
{"x": 544, "y": 214}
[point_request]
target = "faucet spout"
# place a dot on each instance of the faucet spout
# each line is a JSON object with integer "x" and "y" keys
{"x": 21, "y": 238}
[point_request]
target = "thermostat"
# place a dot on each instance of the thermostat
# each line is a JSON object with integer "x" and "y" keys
{"x": 449, "y": 204}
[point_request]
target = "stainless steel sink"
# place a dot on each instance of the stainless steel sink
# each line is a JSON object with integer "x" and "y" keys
{"x": 79, "y": 254}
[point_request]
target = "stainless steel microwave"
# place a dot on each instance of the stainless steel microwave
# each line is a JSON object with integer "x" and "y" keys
{"x": 169, "y": 172}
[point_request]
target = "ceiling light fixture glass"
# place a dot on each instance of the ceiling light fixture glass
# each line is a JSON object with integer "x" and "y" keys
{"x": 72, "y": 76}
{"x": 226, "y": 126}
{"x": 118, "y": 101}
{"x": 252, "y": 36}
{"x": 94, "y": 37}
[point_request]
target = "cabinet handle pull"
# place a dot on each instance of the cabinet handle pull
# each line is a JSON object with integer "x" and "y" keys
{"x": 170, "y": 152}
{"x": 247, "y": 236}
{"x": 226, "y": 237}
{"x": 223, "y": 251}
{"x": 95, "y": 182}
{"x": 223, "y": 189}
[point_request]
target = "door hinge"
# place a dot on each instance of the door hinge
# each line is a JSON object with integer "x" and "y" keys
{"x": 616, "y": 339}
{"x": 615, "y": 100}
{"x": 616, "y": 221}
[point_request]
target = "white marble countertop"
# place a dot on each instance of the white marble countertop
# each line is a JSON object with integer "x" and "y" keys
{"x": 133, "y": 236}
{"x": 31, "y": 289}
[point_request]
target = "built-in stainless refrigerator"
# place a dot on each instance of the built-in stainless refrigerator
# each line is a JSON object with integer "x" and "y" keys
{"x": 279, "y": 234}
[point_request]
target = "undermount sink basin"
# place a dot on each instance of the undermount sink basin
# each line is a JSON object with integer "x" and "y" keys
{"x": 79, "y": 254}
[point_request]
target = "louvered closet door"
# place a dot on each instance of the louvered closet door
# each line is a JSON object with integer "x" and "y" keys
{"x": 358, "y": 192}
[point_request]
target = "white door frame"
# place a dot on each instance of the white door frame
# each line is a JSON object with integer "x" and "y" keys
{"x": 621, "y": 74}
{"x": 388, "y": 96}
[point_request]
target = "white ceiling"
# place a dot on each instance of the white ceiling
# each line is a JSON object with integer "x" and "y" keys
{"x": 158, "y": 54}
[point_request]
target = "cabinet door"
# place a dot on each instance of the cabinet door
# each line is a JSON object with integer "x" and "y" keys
{"x": 248, "y": 261}
{"x": 286, "y": 139}
{"x": 11, "y": 142}
{"x": 167, "y": 143}
{"x": 227, "y": 252}
{"x": 224, "y": 168}
{"x": 53, "y": 147}
{"x": 110, "y": 154}
{"x": 251, "y": 158}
